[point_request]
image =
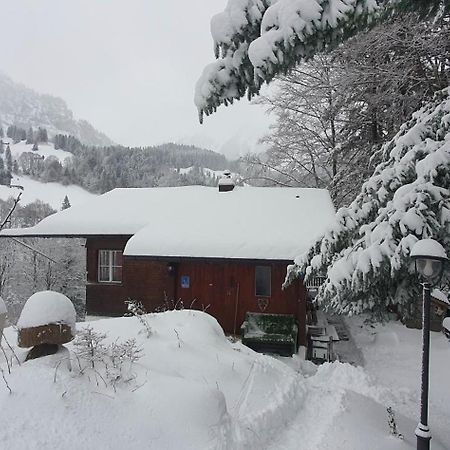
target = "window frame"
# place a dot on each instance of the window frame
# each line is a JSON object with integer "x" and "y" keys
{"x": 110, "y": 266}
{"x": 268, "y": 270}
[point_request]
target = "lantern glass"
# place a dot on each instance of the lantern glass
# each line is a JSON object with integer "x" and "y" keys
{"x": 429, "y": 268}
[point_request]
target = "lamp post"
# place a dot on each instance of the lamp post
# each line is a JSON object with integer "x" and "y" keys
{"x": 429, "y": 257}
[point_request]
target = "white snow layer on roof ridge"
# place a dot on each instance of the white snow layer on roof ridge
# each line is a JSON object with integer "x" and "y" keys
{"x": 198, "y": 221}
{"x": 246, "y": 223}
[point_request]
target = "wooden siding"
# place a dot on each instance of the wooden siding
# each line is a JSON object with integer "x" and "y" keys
{"x": 103, "y": 298}
{"x": 143, "y": 280}
{"x": 226, "y": 289}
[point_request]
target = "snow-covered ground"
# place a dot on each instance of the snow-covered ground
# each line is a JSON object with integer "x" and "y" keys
{"x": 51, "y": 193}
{"x": 393, "y": 355}
{"x": 44, "y": 150}
{"x": 193, "y": 389}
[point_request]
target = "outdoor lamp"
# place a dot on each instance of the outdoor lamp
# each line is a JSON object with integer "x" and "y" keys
{"x": 429, "y": 258}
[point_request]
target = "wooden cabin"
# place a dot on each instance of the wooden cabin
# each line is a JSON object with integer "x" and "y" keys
{"x": 222, "y": 251}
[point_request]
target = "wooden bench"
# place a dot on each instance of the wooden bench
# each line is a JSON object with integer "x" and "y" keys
{"x": 270, "y": 333}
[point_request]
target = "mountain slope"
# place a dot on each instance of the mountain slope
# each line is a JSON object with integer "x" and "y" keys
{"x": 24, "y": 107}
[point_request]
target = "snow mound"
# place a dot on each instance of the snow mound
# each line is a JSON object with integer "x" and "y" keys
{"x": 387, "y": 339}
{"x": 47, "y": 307}
{"x": 196, "y": 390}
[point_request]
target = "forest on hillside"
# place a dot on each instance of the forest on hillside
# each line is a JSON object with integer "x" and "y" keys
{"x": 100, "y": 169}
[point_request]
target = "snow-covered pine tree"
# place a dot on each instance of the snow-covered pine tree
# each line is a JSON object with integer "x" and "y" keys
{"x": 30, "y": 136}
{"x": 42, "y": 135}
{"x": 8, "y": 160}
{"x": 15, "y": 166}
{"x": 5, "y": 176}
{"x": 255, "y": 40}
{"x": 365, "y": 256}
{"x": 66, "y": 203}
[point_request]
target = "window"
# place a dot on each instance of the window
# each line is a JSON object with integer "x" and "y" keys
{"x": 110, "y": 266}
{"x": 263, "y": 275}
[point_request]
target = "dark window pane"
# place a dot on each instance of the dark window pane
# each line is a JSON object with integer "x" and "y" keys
{"x": 103, "y": 257}
{"x": 117, "y": 274}
{"x": 117, "y": 259}
{"x": 263, "y": 281}
{"x": 103, "y": 274}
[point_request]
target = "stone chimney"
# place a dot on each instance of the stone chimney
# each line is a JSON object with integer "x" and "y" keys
{"x": 226, "y": 183}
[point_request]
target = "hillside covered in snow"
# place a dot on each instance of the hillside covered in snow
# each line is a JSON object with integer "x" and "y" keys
{"x": 49, "y": 161}
{"x": 51, "y": 193}
{"x": 24, "y": 107}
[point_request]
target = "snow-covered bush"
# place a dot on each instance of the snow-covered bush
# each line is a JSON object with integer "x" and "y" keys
{"x": 393, "y": 424}
{"x": 137, "y": 310}
{"x": 365, "y": 256}
{"x": 111, "y": 363}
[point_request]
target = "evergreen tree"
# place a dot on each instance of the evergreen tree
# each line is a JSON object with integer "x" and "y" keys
{"x": 365, "y": 256}
{"x": 2, "y": 134}
{"x": 15, "y": 167}
{"x": 35, "y": 147}
{"x": 10, "y": 131}
{"x": 5, "y": 176}
{"x": 66, "y": 203}
{"x": 42, "y": 135}
{"x": 256, "y": 40}
{"x": 21, "y": 135}
{"x": 8, "y": 159}
{"x": 30, "y": 136}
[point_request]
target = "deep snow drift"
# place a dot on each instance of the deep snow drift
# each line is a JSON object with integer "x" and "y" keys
{"x": 193, "y": 389}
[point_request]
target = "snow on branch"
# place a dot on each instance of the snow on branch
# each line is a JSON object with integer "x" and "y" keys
{"x": 366, "y": 254}
{"x": 255, "y": 40}
{"x": 11, "y": 211}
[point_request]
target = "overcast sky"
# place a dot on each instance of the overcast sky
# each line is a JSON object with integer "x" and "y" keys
{"x": 127, "y": 66}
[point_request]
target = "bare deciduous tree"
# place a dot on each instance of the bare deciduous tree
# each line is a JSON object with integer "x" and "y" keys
{"x": 335, "y": 111}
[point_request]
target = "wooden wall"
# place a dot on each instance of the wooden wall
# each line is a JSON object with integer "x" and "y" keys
{"x": 226, "y": 289}
{"x": 143, "y": 280}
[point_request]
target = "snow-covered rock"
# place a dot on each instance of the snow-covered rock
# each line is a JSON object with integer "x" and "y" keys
{"x": 47, "y": 307}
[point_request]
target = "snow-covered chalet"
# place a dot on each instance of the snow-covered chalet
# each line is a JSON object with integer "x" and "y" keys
{"x": 222, "y": 251}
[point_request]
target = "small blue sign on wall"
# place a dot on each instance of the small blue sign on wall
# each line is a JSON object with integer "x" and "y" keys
{"x": 185, "y": 281}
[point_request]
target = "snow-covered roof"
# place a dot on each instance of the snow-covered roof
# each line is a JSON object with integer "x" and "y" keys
{"x": 197, "y": 221}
